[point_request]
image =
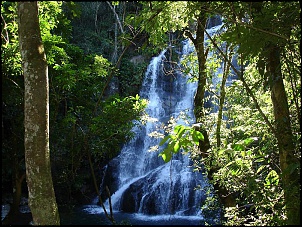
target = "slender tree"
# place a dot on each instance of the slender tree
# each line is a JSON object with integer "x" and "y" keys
{"x": 42, "y": 201}
{"x": 284, "y": 135}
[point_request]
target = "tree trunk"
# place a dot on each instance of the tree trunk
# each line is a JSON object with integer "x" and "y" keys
{"x": 288, "y": 161}
{"x": 199, "y": 96}
{"x": 226, "y": 198}
{"x": 222, "y": 97}
{"x": 201, "y": 55}
{"x": 42, "y": 201}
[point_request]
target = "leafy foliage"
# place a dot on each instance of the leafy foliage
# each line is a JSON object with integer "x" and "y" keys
{"x": 184, "y": 137}
{"x": 159, "y": 19}
{"x": 12, "y": 98}
{"x": 130, "y": 77}
{"x": 122, "y": 114}
{"x": 78, "y": 120}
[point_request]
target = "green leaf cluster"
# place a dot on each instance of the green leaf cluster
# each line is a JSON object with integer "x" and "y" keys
{"x": 182, "y": 137}
{"x": 122, "y": 114}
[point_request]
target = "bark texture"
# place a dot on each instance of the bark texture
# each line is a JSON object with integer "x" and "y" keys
{"x": 202, "y": 77}
{"x": 41, "y": 196}
{"x": 283, "y": 133}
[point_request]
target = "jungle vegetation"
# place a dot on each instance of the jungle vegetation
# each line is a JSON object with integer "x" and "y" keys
{"x": 250, "y": 148}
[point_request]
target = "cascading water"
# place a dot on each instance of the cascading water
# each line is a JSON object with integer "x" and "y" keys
{"x": 141, "y": 182}
{"x": 146, "y": 184}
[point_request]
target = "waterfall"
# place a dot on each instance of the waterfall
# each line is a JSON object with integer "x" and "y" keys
{"x": 145, "y": 183}
{"x": 140, "y": 181}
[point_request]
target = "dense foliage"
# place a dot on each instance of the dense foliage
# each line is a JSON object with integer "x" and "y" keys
{"x": 93, "y": 96}
{"x": 84, "y": 116}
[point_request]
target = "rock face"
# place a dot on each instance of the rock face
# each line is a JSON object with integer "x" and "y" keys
{"x": 214, "y": 21}
{"x": 155, "y": 195}
{"x": 138, "y": 59}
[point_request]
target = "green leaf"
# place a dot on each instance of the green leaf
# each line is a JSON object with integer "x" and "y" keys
{"x": 181, "y": 131}
{"x": 250, "y": 140}
{"x": 166, "y": 155}
{"x": 260, "y": 168}
{"x": 177, "y": 128}
{"x": 272, "y": 178}
{"x": 259, "y": 158}
{"x": 199, "y": 135}
{"x": 196, "y": 136}
{"x": 230, "y": 163}
{"x": 164, "y": 140}
{"x": 176, "y": 147}
{"x": 238, "y": 147}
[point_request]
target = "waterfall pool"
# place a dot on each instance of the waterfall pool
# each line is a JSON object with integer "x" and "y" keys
{"x": 93, "y": 215}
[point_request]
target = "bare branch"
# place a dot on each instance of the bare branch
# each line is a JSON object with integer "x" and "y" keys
{"x": 117, "y": 17}
{"x": 4, "y": 28}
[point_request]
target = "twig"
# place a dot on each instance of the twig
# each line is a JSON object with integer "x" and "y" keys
{"x": 110, "y": 204}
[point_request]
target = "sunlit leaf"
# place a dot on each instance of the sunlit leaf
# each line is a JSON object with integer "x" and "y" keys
{"x": 260, "y": 168}
{"x": 181, "y": 132}
{"x": 260, "y": 159}
{"x": 176, "y": 147}
{"x": 250, "y": 140}
{"x": 177, "y": 128}
{"x": 196, "y": 136}
{"x": 272, "y": 178}
{"x": 230, "y": 163}
{"x": 164, "y": 140}
{"x": 165, "y": 156}
{"x": 238, "y": 147}
{"x": 199, "y": 135}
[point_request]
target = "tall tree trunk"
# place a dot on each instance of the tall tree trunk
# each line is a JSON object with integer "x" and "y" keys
{"x": 222, "y": 96}
{"x": 202, "y": 77}
{"x": 114, "y": 83}
{"x": 42, "y": 201}
{"x": 226, "y": 198}
{"x": 283, "y": 133}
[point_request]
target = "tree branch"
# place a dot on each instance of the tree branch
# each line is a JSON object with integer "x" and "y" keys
{"x": 5, "y": 28}
{"x": 117, "y": 17}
